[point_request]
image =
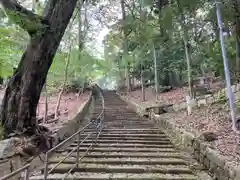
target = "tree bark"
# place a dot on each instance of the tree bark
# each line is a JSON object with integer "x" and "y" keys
{"x": 142, "y": 83}
{"x": 125, "y": 47}
{"x": 155, "y": 73}
{"x": 187, "y": 49}
{"x": 18, "y": 112}
{"x": 46, "y": 104}
{"x": 236, "y": 6}
{"x": 64, "y": 81}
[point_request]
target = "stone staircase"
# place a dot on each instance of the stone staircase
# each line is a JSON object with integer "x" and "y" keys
{"x": 129, "y": 148}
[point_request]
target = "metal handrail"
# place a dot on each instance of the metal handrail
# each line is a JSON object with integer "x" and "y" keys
{"x": 77, "y": 134}
{"x": 21, "y": 169}
{"x": 26, "y": 168}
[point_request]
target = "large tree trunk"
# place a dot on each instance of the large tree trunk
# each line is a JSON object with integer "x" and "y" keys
{"x": 18, "y": 112}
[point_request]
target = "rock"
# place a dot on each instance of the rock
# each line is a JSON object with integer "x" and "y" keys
{"x": 8, "y": 147}
{"x": 237, "y": 175}
{"x": 208, "y": 136}
{"x": 215, "y": 158}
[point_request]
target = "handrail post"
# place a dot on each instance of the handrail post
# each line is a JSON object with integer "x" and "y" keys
{"x": 78, "y": 146}
{"x": 26, "y": 174}
{"x": 46, "y": 167}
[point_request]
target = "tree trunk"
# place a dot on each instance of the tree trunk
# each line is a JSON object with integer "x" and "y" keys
{"x": 127, "y": 78}
{"x": 236, "y": 6}
{"x": 187, "y": 50}
{"x": 142, "y": 83}
{"x": 189, "y": 70}
{"x": 34, "y": 5}
{"x": 80, "y": 31}
{"x": 18, "y": 112}
{"x": 155, "y": 73}
{"x": 46, "y": 104}
{"x": 65, "y": 79}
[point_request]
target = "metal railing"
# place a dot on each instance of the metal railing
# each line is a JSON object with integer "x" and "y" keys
{"x": 24, "y": 169}
{"x": 99, "y": 125}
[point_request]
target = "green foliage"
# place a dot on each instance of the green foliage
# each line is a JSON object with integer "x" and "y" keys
{"x": 222, "y": 99}
{"x": 164, "y": 31}
{"x": 83, "y": 67}
{"x": 238, "y": 105}
{"x": 11, "y": 50}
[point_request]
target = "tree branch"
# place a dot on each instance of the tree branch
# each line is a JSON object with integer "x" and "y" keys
{"x": 23, "y": 17}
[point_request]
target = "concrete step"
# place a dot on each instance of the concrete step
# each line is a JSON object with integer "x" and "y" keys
{"x": 136, "y": 141}
{"x": 126, "y": 126}
{"x": 106, "y": 168}
{"x": 115, "y": 149}
{"x": 133, "y": 135}
{"x": 117, "y": 176}
{"x": 118, "y": 161}
{"x": 134, "y": 131}
{"x": 125, "y": 138}
{"x": 124, "y": 154}
{"x": 128, "y": 123}
{"x": 121, "y": 145}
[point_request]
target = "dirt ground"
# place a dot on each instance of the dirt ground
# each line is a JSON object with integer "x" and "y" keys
{"x": 68, "y": 106}
{"x": 216, "y": 118}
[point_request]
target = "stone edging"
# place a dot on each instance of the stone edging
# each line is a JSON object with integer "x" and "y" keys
{"x": 201, "y": 150}
{"x": 72, "y": 126}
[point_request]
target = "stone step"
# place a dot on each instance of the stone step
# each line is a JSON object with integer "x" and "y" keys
{"x": 122, "y": 161}
{"x": 132, "y": 135}
{"x": 125, "y": 155}
{"x": 113, "y": 149}
{"x": 126, "y": 124}
{"x": 106, "y": 168}
{"x": 125, "y": 119}
{"x": 116, "y": 118}
{"x": 117, "y": 176}
{"x": 119, "y": 141}
{"x": 129, "y": 148}
{"x": 120, "y": 145}
{"x": 136, "y": 131}
{"x": 122, "y": 138}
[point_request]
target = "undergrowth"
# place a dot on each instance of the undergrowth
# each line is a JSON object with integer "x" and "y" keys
{"x": 1, "y": 132}
{"x": 222, "y": 99}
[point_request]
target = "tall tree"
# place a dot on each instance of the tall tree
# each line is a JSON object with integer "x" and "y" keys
{"x": 187, "y": 46}
{"x": 18, "y": 111}
{"x": 125, "y": 45}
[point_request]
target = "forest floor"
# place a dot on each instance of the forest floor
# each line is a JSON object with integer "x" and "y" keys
{"x": 172, "y": 97}
{"x": 69, "y": 105}
{"x": 215, "y": 119}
